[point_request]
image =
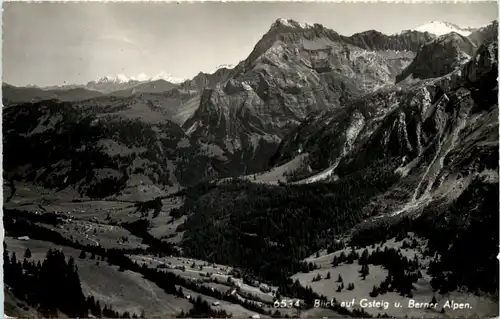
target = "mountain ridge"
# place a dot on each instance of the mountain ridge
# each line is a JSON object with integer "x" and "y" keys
{"x": 280, "y": 23}
{"x": 293, "y": 70}
{"x": 452, "y": 49}
{"x": 317, "y": 157}
{"x": 242, "y": 114}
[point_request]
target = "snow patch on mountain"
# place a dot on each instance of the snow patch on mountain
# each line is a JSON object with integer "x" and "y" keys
{"x": 119, "y": 78}
{"x": 225, "y": 66}
{"x": 439, "y": 28}
{"x": 289, "y": 23}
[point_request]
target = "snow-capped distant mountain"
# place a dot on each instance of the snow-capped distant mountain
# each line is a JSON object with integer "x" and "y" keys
{"x": 121, "y": 82}
{"x": 121, "y": 78}
{"x": 439, "y": 28}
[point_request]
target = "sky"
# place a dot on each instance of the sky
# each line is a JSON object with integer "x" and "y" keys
{"x": 71, "y": 43}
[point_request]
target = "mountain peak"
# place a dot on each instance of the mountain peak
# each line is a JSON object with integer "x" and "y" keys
{"x": 439, "y": 28}
{"x": 289, "y": 23}
{"x": 120, "y": 78}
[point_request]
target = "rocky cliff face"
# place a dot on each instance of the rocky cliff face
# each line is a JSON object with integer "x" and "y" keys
{"x": 441, "y": 132}
{"x": 486, "y": 34}
{"x": 293, "y": 71}
{"x": 418, "y": 157}
{"x": 447, "y": 53}
{"x": 206, "y": 81}
{"x": 405, "y": 41}
{"x": 440, "y": 57}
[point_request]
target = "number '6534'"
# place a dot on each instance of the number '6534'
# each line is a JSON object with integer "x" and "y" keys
{"x": 286, "y": 303}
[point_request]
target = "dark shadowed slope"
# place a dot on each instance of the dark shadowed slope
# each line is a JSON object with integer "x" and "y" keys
{"x": 12, "y": 95}
{"x": 98, "y": 150}
{"x": 157, "y": 86}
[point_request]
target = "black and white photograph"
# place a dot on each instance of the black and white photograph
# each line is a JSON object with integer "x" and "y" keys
{"x": 250, "y": 160}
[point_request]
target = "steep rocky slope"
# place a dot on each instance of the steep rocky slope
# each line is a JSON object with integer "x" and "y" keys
{"x": 419, "y": 159}
{"x": 442, "y": 133}
{"x": 206, "y": 81}
{"x": 293, "y": 70}
{"x": 485, "y": 34}
{"x": 440, "y": 57}
{"x": 406, "y": 40}
{"x": 447, "y": 53}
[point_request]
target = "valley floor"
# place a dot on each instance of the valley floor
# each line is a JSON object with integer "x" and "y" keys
{"x": 99, "y": 224}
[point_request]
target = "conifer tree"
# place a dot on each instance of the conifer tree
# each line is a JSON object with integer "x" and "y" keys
{"x": 98, "y": 311}
{"x": 82, "y": 255}
{"x": 363, "y": 259}
{"x": 6, "y": 260}
{"x": 13, "y": 259}
{"x": 26, "y": 264}
{"x": 364, "y": 271}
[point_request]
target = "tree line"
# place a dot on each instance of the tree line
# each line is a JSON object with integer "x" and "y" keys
{"x": 462, "y": 239}
{"x": 268, "y": 230}
{"x": 52, "y": 286}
